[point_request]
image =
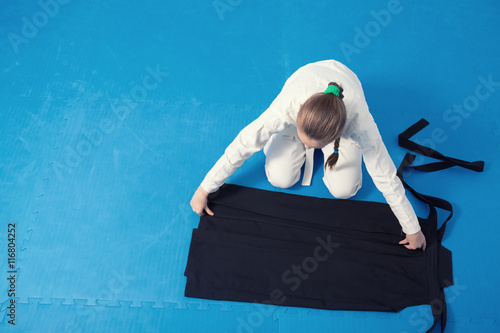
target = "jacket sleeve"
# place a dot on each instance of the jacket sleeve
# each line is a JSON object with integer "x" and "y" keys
{"x": 249, "y": 141}
{"x": 254, "y": 137}
{"x": 383, "y": 171}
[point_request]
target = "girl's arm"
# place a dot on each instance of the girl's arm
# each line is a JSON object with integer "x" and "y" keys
{"x": 383, "y": 172}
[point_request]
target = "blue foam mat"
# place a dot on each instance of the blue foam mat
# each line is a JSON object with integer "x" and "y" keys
{"x": 113, "y": 112}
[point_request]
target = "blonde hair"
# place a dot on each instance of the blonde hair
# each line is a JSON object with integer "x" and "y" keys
{"x": 322, "y": 118}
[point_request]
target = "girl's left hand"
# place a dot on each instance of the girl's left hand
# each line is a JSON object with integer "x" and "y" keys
{"x": 415, "y": 241}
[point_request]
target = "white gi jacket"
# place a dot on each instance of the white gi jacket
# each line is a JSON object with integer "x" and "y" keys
{"x": 360, "y": 127}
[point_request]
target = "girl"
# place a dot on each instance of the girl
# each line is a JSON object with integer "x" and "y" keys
{"x": 304, "y": 117}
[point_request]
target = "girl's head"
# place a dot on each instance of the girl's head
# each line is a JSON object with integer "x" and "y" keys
{"x": 321, "y": 120}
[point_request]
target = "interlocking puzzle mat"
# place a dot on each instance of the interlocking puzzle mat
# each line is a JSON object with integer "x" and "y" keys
{"x": 113, "y": 112}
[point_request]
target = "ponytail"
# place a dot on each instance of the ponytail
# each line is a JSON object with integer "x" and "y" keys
{"x": 334, "y": 157}
{"x": 322, "y": 118}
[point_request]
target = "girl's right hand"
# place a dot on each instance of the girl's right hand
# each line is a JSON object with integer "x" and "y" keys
{"x": 199, "y": 202}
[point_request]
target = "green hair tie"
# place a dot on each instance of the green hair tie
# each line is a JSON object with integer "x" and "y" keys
{"x": 333, "y": 90}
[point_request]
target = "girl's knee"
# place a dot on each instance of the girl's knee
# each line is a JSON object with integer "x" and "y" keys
{"x": 282, "y": 179}
{"x": 341, "y": 191}
{"x": 282, "y": 183}
{"x": 339, "y": 194}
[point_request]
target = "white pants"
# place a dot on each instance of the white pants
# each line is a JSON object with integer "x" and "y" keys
{"x": 285, "y": 155}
